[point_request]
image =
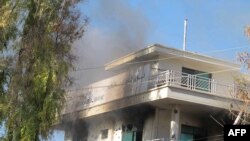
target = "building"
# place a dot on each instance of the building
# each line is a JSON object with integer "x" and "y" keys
{"x": 157, "y": 94}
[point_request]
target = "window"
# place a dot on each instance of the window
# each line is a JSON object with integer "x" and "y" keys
{"x": 192, "y": 133}
{"x": 198, "y": 79}
{"x": 104, "y": 133}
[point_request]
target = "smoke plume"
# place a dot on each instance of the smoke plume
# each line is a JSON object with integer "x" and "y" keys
{"x": 115, "y": 29}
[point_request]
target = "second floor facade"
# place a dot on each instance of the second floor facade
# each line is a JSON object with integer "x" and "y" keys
{"x": 158, "y": 72}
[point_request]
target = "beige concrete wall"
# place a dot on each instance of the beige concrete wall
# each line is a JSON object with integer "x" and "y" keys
{"x": 163, "y": 124}
{"x": 191, "y": 120}
{"x": 219, "y": 73}
{"x": 117, "y": 134}
{"x": 224, "y": 77}
{"x": 171, "y": 64}
{"x": 114, "y": 122}
{"x": 157, "y": 126}
{"x": 134, "y": 79}
{"x": 148, "y": 128}
{"x": 126, "y": 82}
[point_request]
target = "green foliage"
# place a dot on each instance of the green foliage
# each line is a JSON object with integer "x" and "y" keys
{"x": 39, "y": 35}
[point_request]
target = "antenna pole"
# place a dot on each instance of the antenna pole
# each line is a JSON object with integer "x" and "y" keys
{"x": 185, "y": 35}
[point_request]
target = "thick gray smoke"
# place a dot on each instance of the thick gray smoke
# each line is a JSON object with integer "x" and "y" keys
{"x": 115, "y": 29}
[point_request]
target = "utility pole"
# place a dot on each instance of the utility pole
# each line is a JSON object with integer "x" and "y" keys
{"x": 185, "y": 35}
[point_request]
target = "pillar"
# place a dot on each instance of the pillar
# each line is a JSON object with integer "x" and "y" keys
{"x": 174, "y": 123}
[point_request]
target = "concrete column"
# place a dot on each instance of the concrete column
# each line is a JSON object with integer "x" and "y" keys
{"x": 174, "y": 124}
{"x": 117, "y": 133}
{"x": 156, "y": 124}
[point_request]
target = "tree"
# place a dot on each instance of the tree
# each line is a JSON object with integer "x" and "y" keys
{"x": 242, "y": 91}
{"x": 38, "y": 36}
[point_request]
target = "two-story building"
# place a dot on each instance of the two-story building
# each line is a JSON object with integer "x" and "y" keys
{"x": 157, "y": 94}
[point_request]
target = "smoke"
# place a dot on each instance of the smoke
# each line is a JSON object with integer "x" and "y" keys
{"x": 115, "y": 29}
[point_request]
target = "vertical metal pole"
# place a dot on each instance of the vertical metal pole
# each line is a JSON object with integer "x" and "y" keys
{"x": 185, "y": 35}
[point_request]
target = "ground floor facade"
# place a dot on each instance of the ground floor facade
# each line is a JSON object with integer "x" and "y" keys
{"x": 151, "y": 122}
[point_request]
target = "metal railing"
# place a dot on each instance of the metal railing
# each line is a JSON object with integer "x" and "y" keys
{"x": 191, "y": 82}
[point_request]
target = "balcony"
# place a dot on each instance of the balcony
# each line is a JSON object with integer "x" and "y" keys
{"x": 192, "y": 82}
{"x": 139, "y": 90}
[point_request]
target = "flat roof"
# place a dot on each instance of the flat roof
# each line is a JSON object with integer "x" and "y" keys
{"x": 177, "y": 53}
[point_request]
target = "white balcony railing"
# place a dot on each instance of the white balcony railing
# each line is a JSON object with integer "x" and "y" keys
{"x": 191, "y": 82}
{"x": 100, "y": 95}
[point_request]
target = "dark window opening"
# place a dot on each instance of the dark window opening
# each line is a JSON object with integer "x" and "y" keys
{"x": 104, "y": 133}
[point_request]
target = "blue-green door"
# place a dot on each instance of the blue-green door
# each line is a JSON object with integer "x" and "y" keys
{"x": 187, "y": 137}
{"x": 128, "y": 136}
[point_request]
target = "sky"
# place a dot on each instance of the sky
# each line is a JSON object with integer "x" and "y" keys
{"x": 116, "y": 27}
{"x": 212, "y": 25}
